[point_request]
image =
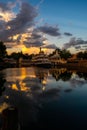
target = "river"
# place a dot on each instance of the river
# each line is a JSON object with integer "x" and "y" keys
{"x": 53, "y": 98}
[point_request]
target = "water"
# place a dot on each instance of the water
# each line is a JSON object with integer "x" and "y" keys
{"x": 45, "y": 98}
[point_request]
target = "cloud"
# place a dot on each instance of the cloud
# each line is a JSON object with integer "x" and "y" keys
{"x": 21, "y": 23}
{"x": 38, "y": 5}
{"x": 33, "y": 44}
{"x": 50, "y": 30}
{"x": 67, "y": 34}
{"x": 35, "y": 40}
{"x": 2, "y": 25}
{"x": 24, "y": 19}
{"x": 51, "y": 46}
{"x": 74, "y": 42}
{"x": 77, "y": 47}
{"x": 20, "y": 27}
{"x": 4, "y": 7}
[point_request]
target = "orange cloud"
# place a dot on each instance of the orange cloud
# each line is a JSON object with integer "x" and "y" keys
{"x": 7, "y": 16}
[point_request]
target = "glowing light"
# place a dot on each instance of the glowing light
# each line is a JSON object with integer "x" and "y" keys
{"x": 23, "y": 87}
{"x": 8, "y": 27}
{"x": 7, "y": 97}
{"x": 7, "y": 16}
{"x": 44, "y": 49}
{"x": 15, "y": 37}
{"x": 14, "y": 87}
{"x": 44, "y": 82}
{"x": 43, "y": 88}
{"x": 24, "y": 49}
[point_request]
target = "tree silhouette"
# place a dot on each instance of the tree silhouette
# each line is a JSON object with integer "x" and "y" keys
{"x": 2, "y": 82}
{"x": 65, "y": 54}
{"x": 3, "y": 52}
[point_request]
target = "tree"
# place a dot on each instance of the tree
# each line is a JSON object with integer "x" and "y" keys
{"x": 82, "y": 55}
{"x": 2, "y": 50}
{"x": 65, "y": 54}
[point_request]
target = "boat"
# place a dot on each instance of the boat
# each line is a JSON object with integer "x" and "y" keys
{"x": 41, "y": 60}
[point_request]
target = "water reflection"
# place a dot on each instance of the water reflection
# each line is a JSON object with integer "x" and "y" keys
{"x": 29, "y": 89}
{"x": 82, "y": 75}
{"x": 2, "y": 82}
{"x": 42, "y": 75}
{"x": 60, "y": 73}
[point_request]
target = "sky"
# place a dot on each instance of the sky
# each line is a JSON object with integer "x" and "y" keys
{"x": 27, "y": 25}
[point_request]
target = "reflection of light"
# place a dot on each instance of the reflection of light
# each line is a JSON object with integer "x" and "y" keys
{"x": 3, "y": 106}
{"x": 44, "y": 82}
{"x": 23, "y": 87}
{"x": 32, "y": 76}
{"x": 43, "y": 88}
{"x": 14, "y": 87}
{"x": 23, "y": 73}
{"x": 6, "y": 96}
{"x": 73, "y": 75}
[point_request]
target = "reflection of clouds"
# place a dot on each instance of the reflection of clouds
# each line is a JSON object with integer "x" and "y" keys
{"x": 29, "y": 106}
{"x": 28, "y": 95}
{"x": 30, "y": 92}
{"x": 68, "y": 90}
{"x": 49, "y": 94}
{"x": 75, "y": 82}
{"x": 60, "y": 73}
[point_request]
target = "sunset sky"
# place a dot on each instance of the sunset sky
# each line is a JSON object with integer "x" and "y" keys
{"x": 26, "y": 25}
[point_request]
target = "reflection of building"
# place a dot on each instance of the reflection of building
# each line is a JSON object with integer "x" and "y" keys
{"x": 57, "y": 72}
{"x": 41, "y": 60}
{"x": 42, "y": 75}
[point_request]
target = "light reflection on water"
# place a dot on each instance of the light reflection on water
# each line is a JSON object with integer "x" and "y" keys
{"x": 35, "y": 90}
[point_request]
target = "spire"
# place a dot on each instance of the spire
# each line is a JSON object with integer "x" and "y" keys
{"x": 40, "y": 49}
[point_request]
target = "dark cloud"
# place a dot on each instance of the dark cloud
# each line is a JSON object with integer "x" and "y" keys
{"x": 74, "y": 42}
{"x": 2, "y": 25}
{"x": 85, "y": 46}
{"x": 24, "y": 19}
{"x": 19, "y": 38}
{"x": 36, "y": 36}
{"x": 50, "y": 30}
{"x": 77, "y": 47}
{"x": 51, "y": 46}
{"x": 35, "y": 40}
{"x": 20, "y": 24}
{"x": 33, "y": 43}
{"x": 67, "y": 34}
{"x": 4, "y": 7}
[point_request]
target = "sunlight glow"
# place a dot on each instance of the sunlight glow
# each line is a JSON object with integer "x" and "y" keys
{"x": 7, "y": 16}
